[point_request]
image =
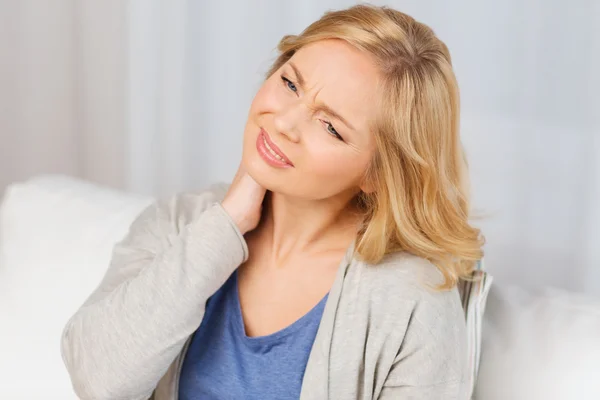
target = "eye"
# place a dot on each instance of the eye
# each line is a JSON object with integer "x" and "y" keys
{"x": 332, "y": 130}
{"x": 289, "y": 84}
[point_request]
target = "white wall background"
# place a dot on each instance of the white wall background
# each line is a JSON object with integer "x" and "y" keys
{"x": 152, "y": 95}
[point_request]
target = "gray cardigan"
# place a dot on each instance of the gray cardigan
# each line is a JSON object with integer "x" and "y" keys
{"x": 384, "y": 333}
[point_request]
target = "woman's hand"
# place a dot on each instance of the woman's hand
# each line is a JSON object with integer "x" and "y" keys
{"x": 243, "y": 201}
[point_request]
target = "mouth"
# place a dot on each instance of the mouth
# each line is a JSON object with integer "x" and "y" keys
{"x": 270, "y": 151}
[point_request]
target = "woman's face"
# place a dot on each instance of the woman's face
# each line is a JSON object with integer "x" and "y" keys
{"x": 308, "y": 130}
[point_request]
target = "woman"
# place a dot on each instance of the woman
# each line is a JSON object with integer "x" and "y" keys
{"x": 328, "y": 269}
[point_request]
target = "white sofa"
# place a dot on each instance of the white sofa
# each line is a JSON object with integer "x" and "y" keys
{"x": 56, "y": 237}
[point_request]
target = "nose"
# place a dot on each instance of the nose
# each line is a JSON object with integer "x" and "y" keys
{"x": 288, "y": 120}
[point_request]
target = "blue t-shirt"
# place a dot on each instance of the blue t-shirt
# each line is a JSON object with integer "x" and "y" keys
{"x": 222, "y": 362}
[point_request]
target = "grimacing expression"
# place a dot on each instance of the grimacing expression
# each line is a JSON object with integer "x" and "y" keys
{"x": 308, "y": 132}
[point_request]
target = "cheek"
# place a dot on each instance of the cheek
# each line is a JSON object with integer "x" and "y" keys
{"x": 335, "y": 164}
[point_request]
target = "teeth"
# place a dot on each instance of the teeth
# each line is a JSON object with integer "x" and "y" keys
{"x": 277, "y": 156}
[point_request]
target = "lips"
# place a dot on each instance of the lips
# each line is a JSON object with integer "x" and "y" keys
{"x": 273, "y": 149}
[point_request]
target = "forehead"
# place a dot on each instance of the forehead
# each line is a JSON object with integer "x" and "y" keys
{"x": 341, "y": 76}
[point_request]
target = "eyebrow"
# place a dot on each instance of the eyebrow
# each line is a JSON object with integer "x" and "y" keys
{"x": 322, "y": 106}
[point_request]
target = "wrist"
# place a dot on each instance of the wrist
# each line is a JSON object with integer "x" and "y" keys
{"x": 235, "y": 217}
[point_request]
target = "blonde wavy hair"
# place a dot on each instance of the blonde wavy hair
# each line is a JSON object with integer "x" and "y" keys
{"x": 420, "y": 199}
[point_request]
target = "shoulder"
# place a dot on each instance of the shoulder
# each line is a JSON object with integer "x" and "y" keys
{"x": 408, "y": 277}
{"x": 430, "y": 323}
{"x": 432, "y": 320}
{"x": 406, "y": 284}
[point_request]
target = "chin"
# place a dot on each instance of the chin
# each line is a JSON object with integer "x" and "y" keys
{"x": 273, "y": 180}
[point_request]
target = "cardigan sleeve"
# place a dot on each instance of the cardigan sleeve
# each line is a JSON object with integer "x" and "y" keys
{"x": 176, "y": 254}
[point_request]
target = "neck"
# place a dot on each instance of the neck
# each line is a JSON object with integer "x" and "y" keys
{"x": 298, "y": 226}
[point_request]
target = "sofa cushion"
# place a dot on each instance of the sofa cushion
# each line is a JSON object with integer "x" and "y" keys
{"x": 543, "y": 345}
{"x": 56, "y": 239}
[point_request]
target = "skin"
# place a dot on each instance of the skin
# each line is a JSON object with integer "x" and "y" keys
{"x": 298, "y": 221}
